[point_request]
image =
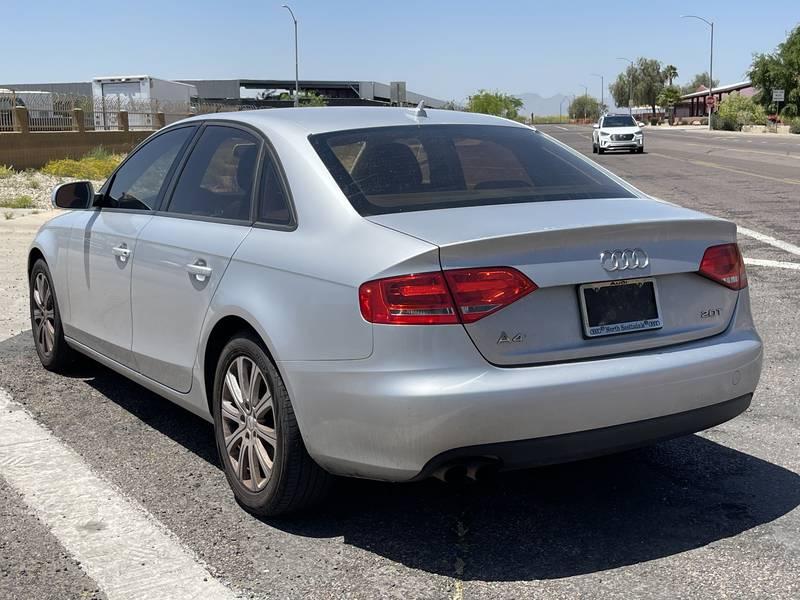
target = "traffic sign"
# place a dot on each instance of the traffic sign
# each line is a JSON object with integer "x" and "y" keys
{"x": 711, "y": 101}
{"x": 777, "y": 95}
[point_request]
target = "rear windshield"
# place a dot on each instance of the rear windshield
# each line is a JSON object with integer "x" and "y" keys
{"x": 425, "y": 167}
{"x": 622, "y": 121}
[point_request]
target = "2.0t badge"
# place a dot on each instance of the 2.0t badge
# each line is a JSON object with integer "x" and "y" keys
{"x": 622, "y": 260}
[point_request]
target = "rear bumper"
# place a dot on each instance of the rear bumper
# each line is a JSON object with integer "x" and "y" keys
{"x": 426, "y": 392}
{"x": 579, "y": 445}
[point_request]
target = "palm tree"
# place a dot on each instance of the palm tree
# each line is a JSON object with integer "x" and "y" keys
{"x": 671, "y": 72}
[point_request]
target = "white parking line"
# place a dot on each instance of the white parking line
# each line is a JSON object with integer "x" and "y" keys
{"x": 128, "y": 553}
{"x": 762, "y": 262}
{"x": 768, "y": 239}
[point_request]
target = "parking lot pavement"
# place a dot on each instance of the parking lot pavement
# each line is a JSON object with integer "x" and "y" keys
{"x": 710, "y": 515}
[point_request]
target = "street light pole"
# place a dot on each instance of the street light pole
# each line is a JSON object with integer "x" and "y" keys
{"x": 560, "y": 107}
{"x": 710, "y": 63}
{"x": 296, "y": 68}
{"x": 602, "y": 89}
{"x": 630, "y": 86}
{"x": 585, "y": 98}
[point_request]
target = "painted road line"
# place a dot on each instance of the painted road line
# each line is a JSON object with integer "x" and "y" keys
{"x": 768, "y": 239}
{"x": 761, "y": 262}
{"x": 129, "y": 554}
{"x": 563, "y": 128}
{"x": 729, "y": 169}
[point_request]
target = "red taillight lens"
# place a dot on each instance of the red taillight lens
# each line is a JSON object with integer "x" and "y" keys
{"x": 427, "y": 298}
{"x": 479, "y": 292}
{"x": 724, "y": 264}
{"x": 420, "y": 299}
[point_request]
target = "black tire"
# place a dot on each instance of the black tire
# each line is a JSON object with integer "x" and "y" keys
{"x": 295, "y": 481}
{"x": 594, "y": 148}
{"x": 48, "y": 333}
{"x": 600, "y": 150}
{"x": 640, "y": 150}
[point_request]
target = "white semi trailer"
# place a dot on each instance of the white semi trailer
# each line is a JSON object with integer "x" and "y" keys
{"x": 142, "y": 96}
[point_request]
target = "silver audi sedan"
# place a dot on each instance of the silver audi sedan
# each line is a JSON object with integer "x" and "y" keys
{"x": 394, "y": 294}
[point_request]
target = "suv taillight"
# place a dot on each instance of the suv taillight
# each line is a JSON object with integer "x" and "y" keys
{"x": 724, "y": 264}
{"x": 437, "y": 298}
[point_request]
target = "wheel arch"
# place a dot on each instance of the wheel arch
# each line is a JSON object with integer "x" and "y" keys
{"x": 221, "y": 332}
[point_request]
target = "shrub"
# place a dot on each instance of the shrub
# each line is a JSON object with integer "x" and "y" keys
{"x": 736, "y": 111}
{"x": 5, "y": 171}
{"x": 794, "y": 126}
{"x": 97, "y": 164}
{"x": 17, "y": 202}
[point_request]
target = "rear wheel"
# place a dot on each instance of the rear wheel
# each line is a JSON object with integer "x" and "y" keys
{"x": 258, "y": 440}
{"x": 48, "y": 333}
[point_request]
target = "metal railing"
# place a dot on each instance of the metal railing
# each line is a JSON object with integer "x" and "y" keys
{"x": 47, "y": 111}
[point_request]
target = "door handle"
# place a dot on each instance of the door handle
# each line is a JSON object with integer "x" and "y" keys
{"x": 121, "y": 252}
{"x": 200, "y": 270}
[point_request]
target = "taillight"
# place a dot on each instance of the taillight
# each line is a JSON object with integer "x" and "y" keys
{"x": 479, "y": 292}
{"x": 460, "y": 295}
{"x": 724, "y": 264}
{"x": 420, "y": 299}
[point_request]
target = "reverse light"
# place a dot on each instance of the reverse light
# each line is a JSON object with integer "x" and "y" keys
{"x": 725, "y": 265}
{"x": 441, "y": 298}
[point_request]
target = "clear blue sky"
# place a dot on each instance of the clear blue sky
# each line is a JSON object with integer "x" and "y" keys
{"x": 443, "y": 49}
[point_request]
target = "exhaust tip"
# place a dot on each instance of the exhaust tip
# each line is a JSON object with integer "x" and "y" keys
{"x": 452, "y": 474}
{"x": 483, "y": 470}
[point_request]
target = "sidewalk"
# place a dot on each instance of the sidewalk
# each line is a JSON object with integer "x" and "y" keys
{"x": 704, "y": 129}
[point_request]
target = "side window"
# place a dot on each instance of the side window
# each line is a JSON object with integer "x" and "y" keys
{"x": 273, "y": 205}
{"x": 138, "y": 182}
{"x": 217, "y": 180}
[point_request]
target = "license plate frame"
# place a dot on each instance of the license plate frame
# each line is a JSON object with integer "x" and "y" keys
{"x": 621, "y": 327}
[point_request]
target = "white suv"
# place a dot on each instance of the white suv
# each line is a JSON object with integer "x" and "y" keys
{"x": 617, "y": 132}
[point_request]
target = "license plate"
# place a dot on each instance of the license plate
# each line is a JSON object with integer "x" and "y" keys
{"x": 614, "y": 307}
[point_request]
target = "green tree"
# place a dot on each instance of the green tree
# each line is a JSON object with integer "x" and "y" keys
{"x": 495, "y": 103}
{"x": 736, "y": 110}
{"x": 779, "y": 70}
{"x": 312, "y": 99}
{"x": 701, "y": 79}
{"x": 641, "y": 81}
{"x": 584, "y": 107}
{"x": 670, "y": 72}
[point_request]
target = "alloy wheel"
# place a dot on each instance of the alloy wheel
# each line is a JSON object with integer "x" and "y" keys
{"x": 248, "y": 423}
{"x": 43, "y": 314}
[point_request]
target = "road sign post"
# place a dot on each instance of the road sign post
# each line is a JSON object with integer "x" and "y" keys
{"x": 777, "y": 97}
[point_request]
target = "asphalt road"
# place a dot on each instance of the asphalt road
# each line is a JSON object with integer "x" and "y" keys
{"x": 710, "y": 515}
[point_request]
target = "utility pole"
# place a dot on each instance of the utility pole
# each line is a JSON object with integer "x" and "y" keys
{"x": 710, "y": 65}
{"x": 560, "y": 108}
{"x": 630, "y": 86}
{"x": 585, "y": 99}
{"x": 296, "y": 68}
{"x": 602, "y": 90}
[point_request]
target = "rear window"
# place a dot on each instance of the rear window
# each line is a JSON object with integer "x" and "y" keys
{"x": 425, "y": 167}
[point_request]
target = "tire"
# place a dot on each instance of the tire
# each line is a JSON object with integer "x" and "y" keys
{"x": 640, "y": 150}
{"x": 594, "y": 148}
{"x": 600, "y": 150}
{"x": 48, "y": 332}
{"x": 282, "y": 477}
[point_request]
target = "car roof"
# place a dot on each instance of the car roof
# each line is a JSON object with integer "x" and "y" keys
{"x": 312, "y": 120}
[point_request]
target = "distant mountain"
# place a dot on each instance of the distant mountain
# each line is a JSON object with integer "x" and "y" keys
{"x": 539, "y": 105}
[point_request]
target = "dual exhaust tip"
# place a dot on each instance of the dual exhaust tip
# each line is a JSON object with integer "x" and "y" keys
{"x": 468, "y": 470}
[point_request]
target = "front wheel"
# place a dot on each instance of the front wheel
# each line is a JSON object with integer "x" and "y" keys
{"x": 640, "y": 150}
{"x": 48, "y": 332}
{"x": 258, "y": 440}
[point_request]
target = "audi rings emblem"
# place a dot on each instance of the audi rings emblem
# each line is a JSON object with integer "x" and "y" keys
{"x": 622, "y": 260}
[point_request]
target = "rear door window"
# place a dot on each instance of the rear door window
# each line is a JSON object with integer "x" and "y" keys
{"x": 218, "y": 178}
{"x": 427, "y": 167}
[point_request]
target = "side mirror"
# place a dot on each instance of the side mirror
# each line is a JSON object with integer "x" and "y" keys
{"x": 76, "y": 194}
{"x": 596, "y": 126}
{"x": 639, "y": 124}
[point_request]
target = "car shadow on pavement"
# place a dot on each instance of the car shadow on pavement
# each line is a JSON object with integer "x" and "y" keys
{"x": 545, "y": 523}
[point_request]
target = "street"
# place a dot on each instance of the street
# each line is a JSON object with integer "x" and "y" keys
{"x": 710, "y": 515}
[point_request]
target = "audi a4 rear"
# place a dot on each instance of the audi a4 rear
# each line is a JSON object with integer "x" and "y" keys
{"x": 395, "y": 294}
